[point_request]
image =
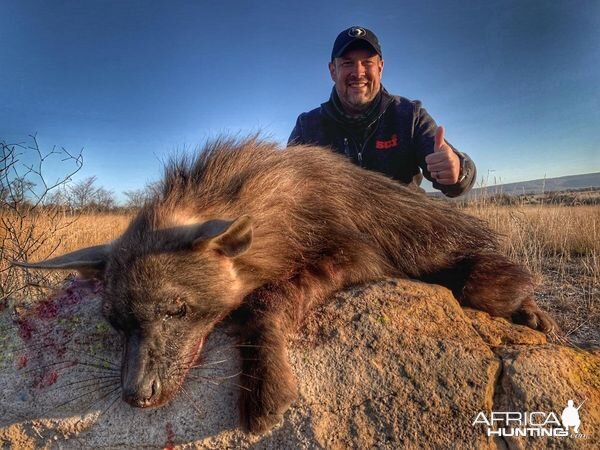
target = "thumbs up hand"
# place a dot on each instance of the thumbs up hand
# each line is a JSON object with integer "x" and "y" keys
{"x": 443, "y": 164}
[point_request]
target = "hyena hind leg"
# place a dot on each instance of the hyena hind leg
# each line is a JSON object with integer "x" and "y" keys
{"x": 531, "y": 315}
{"x": 489, "y": 281}
{"x": 499, "y": 286}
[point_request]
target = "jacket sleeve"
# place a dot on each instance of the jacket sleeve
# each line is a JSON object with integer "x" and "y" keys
{"x": 424, "y": 128}
{"x": 297, "y": 136}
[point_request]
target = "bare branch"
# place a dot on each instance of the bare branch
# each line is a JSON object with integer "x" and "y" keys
{"x": 30, "y": 218}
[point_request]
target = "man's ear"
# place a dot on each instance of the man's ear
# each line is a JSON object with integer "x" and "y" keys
{"x": 332, "y": 70}
{"x": 90, "y": 262}
{"x": 230, "y": 237}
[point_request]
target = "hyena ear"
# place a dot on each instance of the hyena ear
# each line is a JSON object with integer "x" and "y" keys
{"x": 229, "y": 237}
{"x": 89, "y": 262}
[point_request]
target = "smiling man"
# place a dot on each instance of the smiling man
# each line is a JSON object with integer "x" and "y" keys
{"x": 379, "y": 131}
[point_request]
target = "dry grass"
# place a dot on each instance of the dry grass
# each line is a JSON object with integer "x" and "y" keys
{"x": 559, "y": 244}
{"x": 34, "y": 238}
{"x": 89, "y": 229}
{"x": 534, "y": 233}
{"x": 93, "y": 229}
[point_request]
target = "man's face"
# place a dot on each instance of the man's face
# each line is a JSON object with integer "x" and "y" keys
{"x": 357, "y": 78}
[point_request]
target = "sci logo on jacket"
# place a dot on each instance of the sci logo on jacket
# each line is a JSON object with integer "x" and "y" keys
{"x": 393, "y": 142}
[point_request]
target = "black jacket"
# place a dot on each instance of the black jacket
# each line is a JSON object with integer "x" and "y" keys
{"x": 395, "y": 143}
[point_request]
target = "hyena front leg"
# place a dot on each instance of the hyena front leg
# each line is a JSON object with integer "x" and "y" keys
{"x": 265, "y": 319}
{"x": 268, "y": 384}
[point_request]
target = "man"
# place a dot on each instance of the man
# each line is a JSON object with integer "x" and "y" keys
{"x": 378, "y": 131}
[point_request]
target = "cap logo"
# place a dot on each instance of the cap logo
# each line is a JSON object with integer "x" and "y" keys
{"x": 356, "y": 32}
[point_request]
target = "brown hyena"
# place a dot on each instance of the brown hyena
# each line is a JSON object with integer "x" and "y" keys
{"x": 262, "y": 235}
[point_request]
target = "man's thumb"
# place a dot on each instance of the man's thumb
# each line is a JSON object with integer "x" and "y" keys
{"x": 439, "y": 139}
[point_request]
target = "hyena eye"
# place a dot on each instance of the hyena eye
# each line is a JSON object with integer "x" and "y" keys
{"x": 177, "y": 311}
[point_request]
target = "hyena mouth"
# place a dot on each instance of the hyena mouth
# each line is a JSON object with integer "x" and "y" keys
{"x": 177, "y": 379}
{"x": 197, "y": 354}
{"x": 188, "y": 363}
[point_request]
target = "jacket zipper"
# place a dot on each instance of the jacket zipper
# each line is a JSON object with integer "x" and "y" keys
{"x": 349, "y": 155}
{"x": 346, "y": 147}
{"x": 366, "y": 142}
{"x": 359, "y": 153}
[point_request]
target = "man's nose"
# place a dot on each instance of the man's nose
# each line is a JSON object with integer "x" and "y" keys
{"x": 358, "y": 69}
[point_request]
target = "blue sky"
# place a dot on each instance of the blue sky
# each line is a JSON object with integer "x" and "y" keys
{"x": 515, "y": 83}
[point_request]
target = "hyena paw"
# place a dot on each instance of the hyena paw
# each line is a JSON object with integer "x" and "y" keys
{"x": 535, "y": 318}
{"x": 264, "y": 402}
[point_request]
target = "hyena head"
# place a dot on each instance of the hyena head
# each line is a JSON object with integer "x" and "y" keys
{"x": 164, "y": 291}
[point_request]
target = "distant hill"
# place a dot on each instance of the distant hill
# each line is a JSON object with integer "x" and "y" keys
{"x": 569, "y": 190}
{"x": 571, "y": 182}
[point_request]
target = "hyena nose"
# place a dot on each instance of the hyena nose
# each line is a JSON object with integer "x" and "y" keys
{"x": 144, "y": 395}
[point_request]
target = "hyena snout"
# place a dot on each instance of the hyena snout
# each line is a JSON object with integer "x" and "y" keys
{"x": 140, "y": 381}
{"x": 143, "y": 393}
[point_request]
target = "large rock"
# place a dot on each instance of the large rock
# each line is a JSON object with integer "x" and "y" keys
{"x": 394, "y": 364}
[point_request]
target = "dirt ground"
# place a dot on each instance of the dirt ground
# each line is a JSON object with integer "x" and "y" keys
{"x": 573, "y": 298}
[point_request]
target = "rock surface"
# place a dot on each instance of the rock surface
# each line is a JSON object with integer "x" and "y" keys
{"x": 390, "y": 365}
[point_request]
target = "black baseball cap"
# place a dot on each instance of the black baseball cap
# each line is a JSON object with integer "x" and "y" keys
{"x": 351, "y": 36}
